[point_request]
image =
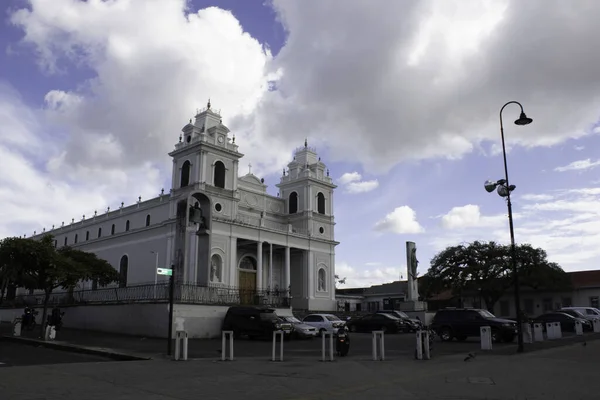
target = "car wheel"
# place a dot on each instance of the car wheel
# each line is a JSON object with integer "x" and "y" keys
{"x": 446, "y": 334}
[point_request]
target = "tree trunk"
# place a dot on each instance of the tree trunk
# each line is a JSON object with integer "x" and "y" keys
{"x": 3, "y": 291}
{"x": 47, "y": 294}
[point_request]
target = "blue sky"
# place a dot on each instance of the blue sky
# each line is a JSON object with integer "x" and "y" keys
{"x": 401, "y": 101}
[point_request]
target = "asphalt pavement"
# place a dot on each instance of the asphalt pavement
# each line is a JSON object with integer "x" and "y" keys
{"x": 15, "y": 354}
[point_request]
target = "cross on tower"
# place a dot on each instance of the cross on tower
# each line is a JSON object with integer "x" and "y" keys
{"x": 249, "y": 168}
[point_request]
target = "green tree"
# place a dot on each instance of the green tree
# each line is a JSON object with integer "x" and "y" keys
{"x": 485, "y": 268}
{"x": 43, "y": 267}
{"x": 17, "y": 255}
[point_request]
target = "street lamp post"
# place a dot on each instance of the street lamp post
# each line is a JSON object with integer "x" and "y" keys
{"x": 504, "y": 188}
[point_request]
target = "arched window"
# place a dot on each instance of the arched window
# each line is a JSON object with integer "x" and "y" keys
{"x": 112, "y": 229}
{"x": 216, "y": 268}
{"x": 293, "y": 203}
{"x": 219, "y": 171}
{"x": 248, "y": 263}
{"x": 185, "y": 174}
{"x": 65, "y": 240}
{"x": 127, "y": 226}
{"x": 99, "y": 232}
{"x": 123, "y": 267}
{"x": 87, "y": 235}
{"x": 321, "y": 203}
{"x": 76, "y": 237}
{"x": 148, "y": 220}
{"x": 322, "y": 284}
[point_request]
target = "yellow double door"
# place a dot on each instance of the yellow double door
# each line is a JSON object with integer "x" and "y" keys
{"x": 247, "y": 287}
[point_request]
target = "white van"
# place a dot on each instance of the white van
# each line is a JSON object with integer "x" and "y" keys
{"x": 590, "y": 313}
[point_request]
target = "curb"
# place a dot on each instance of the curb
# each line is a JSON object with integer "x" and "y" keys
{"x": 108, "y": 353}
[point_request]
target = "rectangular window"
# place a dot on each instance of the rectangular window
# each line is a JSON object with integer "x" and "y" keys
{"x": 504, "y": 308}
{"x": 594, "y": 302}
{"x": 528, "y": 303}
{"x": 358, "y": 307}
{"x": 567, "y": 302}
{"x": 547, "y": 303}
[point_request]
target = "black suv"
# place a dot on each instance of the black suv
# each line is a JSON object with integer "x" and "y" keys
{"x": 461, "y": 323}
{"x": 254, "y": 322}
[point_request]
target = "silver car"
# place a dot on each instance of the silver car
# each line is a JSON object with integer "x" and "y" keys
{"x": 301, "y": 330}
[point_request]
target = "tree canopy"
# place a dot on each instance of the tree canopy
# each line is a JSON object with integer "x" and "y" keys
{"x": 486, "y": 268}
{"x": 38, "y": 265}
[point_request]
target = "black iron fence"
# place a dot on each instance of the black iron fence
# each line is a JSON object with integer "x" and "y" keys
{"x": 157, "y": 293}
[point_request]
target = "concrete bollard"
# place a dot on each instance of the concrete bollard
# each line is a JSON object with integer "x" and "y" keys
{"x": 486, "y": 337}
{"x": 17, "y": 326}
{"x": 596, "y": 325}
{"x": 277, "y": 334}
{"x": 538, "y": 332}
{"x": 578, "y": 328}
{"x": 50, "y": 333}
{"x": 224, "y": 336}
{"x": 378, "y": 342}
{"x": 324, "y": 335}
{"x": 422, "y": 352}
{"x": 181, "y": 345}
{"x": 527, "y": 333}
{"x": 558, "y": 330}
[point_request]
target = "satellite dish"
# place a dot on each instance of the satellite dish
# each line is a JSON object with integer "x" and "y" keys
{"x": 490, "y": 186}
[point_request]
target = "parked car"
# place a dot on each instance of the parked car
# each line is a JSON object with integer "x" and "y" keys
{"x": 376, "y": 322}
{"x": 300, "y": 329}
{"x": 411, "y": 324}
{"x": 590, "y": 313}
{"x": 254, "y": 322}
{"x": 461, "y": 323}
{"x": 567, "y": 322}
{"x": 324, "y": 322}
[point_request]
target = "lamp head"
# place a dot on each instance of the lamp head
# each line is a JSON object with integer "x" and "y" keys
{"x": 490, "y": 186}
{"x": 523, "y": 120}
{"x": 502, "y": 191}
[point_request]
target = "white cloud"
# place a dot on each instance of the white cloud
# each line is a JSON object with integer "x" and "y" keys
{"x": 579, "y": 165}
{"x": 148, "y": 78}
{"x": 565, "y": 224}
{"x": 357, "y": 277}
{"x": 443, "y": 58}
{"x": 579, "y": 148}
{"x": 402, "y": 220}
{"x": 536, "y": 197}
{"x": 353, "y": 183}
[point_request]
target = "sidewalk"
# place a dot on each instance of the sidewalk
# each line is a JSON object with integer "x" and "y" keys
{"x": 568, "y": 372}
{"x": 121, "y": 347}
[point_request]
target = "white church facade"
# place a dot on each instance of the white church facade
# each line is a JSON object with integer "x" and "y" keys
{"x": 217, "y": 229}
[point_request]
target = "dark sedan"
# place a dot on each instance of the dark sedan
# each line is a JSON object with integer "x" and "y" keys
{"x": 567, "y": 322}
{"x": 376, "y": 322}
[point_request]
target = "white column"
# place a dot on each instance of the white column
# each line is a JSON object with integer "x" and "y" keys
{"x": 235, "y": 174}
{"x": 270, "y": 284}
{"x": 191, "y": 272}
{"x": 311, "y": 275}
{"x": 286, "y": 267}
{"x": 331, "y": 204}
{"x": 174, "y": 177}
{"x": 203, "y": 166}
{"x": 197, "y": 168}
{"x": 259, "y": 266}
{"x": 332, "y": 278}
{"x": 233, "y": 271}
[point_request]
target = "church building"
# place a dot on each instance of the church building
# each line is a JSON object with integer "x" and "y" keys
{"x": 215, "y": 228}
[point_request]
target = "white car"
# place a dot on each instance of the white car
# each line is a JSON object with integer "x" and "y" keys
{"x": 589, "y": 313}
{"x": 324, "y": 322}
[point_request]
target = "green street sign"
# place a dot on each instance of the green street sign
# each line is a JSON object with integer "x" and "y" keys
{"x": 164, "y": 271}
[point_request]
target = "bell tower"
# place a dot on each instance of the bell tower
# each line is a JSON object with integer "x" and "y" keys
{"x": 307, "y": 190}
{"x": 204, "y": 183}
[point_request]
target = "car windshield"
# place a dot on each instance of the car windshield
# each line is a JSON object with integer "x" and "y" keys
{"x": 332, "y": 318}
{"x": 392, "y": 316}
{"x": 400, "y": 314}
{"x": 486, "y": 314}
{"x": 268, "y": 316}
{"x": 293, "y": 320}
